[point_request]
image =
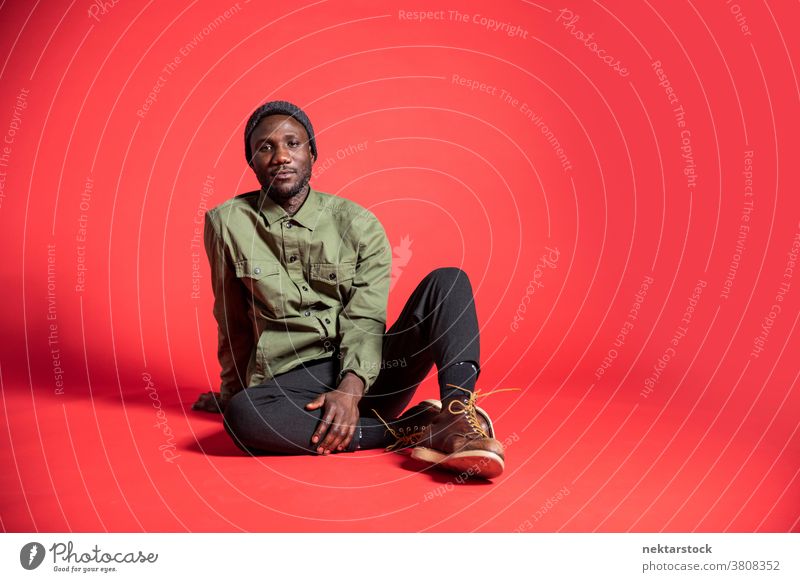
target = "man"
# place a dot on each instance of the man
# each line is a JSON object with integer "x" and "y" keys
{"x": 301, "y": 282}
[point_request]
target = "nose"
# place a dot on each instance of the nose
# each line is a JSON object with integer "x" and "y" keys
{"x": 282, "y": 155}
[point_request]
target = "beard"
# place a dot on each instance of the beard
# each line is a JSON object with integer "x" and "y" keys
{"x": 279, "y": 192}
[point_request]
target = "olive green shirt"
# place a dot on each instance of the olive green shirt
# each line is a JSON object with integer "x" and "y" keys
{"x": 293, "y": 289}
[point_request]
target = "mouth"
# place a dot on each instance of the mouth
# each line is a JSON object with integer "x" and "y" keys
{"x": 282, "y": 176}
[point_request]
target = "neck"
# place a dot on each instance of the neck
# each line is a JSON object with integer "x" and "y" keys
{"x": 292, "y": 204}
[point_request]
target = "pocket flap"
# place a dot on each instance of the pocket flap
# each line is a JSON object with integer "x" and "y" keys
{"x": 256, "y": 268}
{"x": 333, "y": 272}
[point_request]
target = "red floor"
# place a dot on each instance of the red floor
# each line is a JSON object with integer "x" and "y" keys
{"x": 582, "y": 464}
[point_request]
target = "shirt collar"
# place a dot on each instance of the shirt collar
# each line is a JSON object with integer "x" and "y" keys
{"x": 307, "y": 215}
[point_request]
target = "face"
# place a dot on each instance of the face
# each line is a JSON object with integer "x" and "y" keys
{"x": 282, "y": 156}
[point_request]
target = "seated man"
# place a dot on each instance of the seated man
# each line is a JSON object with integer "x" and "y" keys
{"x": 301, "y": 282}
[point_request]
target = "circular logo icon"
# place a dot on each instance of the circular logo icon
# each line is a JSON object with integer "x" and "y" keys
{"x": 31, "y": 555}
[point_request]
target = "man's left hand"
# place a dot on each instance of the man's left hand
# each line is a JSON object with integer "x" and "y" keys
{"x": 339, "y": 415}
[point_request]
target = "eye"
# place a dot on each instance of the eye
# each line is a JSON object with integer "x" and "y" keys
{"x": 294, "y": 144}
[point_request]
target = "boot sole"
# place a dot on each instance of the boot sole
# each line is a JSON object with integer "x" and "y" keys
{"x": 484, "y": 464}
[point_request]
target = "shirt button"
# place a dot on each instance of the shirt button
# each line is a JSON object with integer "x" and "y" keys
{"x": 305, "y": 288}
{"x": 288, "y": 225}
{"x": 327, "y": 320}
{"x": 307, "y": 313}
{"x": 292, "y": 259}
{"x": 257, "y": 270}
{"x": 332, "y": 276}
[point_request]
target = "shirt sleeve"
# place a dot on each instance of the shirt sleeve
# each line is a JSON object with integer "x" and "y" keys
{"x": 231, "y": 308}
{"x": 362, "y": 321}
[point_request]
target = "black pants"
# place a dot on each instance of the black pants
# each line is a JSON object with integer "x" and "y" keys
{"x": 438, "y": 326}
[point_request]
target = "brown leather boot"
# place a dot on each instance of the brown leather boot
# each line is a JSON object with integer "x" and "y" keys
{"x": 408, "y": 428}
{"x": 461, "y": 439}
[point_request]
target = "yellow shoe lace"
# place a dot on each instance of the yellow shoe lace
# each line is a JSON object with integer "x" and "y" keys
{"x": 402, "y": 437}
{"x": 468, "y": 408}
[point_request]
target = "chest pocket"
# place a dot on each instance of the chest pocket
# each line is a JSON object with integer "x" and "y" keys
{"x": 333, "y": 280}
{"x": 264, "y": 279}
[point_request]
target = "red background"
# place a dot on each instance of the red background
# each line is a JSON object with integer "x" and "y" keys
{"x": 471, "y": 181}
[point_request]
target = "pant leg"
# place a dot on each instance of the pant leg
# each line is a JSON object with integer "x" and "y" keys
{"x": 437, "y": 326}
{"x": 271, "y": 417}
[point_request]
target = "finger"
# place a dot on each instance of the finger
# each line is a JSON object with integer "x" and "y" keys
{"x": 351, "y": 433}
{"x": 322, "y": 429}
{"x": 348, "y": 423}
{"x": 203, "y": 403}
{"x": 200, "y": 399}
{"x": 329, "y": 444}
{"x": 338, "y": 433}
{"x": 333, "y": 433}
{"x": 316, "y": 403}
{"x": 347, "y": 439}
{"x": 345, "y": 435}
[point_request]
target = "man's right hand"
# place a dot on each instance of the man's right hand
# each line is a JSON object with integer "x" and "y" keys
{"x": 210, "y": 402}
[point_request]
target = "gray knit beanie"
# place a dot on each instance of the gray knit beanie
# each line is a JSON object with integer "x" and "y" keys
{"x": 278, "y": 108}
